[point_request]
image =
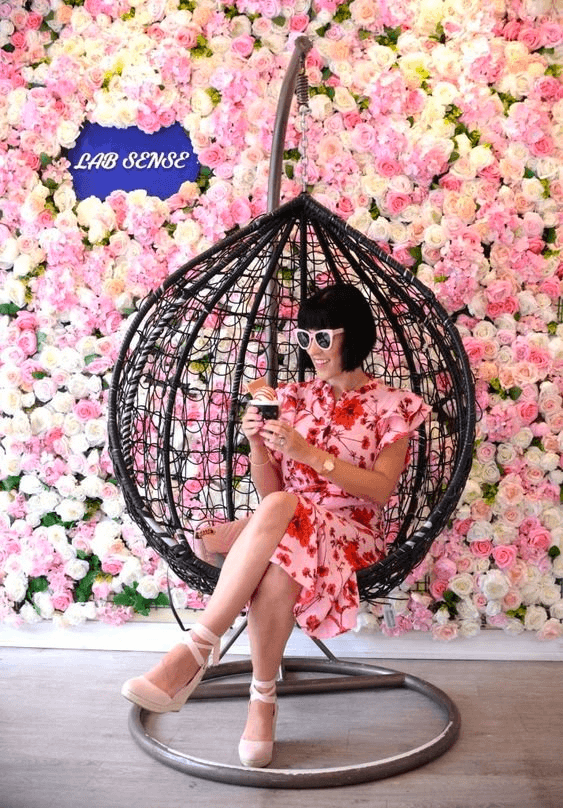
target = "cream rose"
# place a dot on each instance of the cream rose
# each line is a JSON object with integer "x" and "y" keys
{"x": 495, "y": 585}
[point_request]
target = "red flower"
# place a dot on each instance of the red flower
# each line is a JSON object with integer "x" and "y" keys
{"x": 300, "y": 526}
{"x": 347, "y": 414}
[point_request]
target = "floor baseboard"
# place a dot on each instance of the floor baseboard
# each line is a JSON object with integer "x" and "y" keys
{"x": 154, "y": 635}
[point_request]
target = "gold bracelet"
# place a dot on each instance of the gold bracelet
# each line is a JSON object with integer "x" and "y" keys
{"x": 257, "y": 465}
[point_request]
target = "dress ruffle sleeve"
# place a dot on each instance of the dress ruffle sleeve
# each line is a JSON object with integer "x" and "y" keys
{"x": 401, "y": 414}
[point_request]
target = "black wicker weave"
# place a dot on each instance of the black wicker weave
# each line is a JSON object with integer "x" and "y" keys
{"x": 226, "y": 317}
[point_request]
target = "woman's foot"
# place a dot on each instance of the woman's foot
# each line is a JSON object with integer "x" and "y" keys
{"x": 167, "y": 686}
{"x": 219, "y": 537}
{"x": 257, "y": 743}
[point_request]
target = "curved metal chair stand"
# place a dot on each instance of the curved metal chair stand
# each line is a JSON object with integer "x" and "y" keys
{"x": 177, "y": 392}
{"x": 352, "y": 675}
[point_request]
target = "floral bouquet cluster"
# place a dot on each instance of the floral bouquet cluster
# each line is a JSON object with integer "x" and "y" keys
{"x": 435, "y": 127}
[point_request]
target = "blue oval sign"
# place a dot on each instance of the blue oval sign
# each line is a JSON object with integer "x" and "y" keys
{"x": 107, "y": 159}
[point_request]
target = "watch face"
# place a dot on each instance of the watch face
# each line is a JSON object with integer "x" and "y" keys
{"x": 328, "y": 465}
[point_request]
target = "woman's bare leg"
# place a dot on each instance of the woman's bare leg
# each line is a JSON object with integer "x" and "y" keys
{"x": 240, "y": 575}
{"x": 270, "y": 622}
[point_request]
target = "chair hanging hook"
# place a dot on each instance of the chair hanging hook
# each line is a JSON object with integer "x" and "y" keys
{"x": 302, "y": 93}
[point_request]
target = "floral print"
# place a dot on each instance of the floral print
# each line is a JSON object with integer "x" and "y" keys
{"x": 332, "y": 533}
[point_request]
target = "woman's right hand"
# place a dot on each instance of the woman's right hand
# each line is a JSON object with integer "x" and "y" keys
{"x": 252, "y": 423}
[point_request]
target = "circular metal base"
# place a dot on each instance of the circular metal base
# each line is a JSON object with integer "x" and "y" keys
{"x": 359, "y": 676}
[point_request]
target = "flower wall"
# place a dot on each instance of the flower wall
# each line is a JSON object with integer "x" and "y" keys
{"x": 435, "y": 127}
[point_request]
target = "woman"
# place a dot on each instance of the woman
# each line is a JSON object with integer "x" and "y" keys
{"x": 323, "y": 471}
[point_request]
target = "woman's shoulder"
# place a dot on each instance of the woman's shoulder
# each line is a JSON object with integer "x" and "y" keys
{"x": 392, "y": 398}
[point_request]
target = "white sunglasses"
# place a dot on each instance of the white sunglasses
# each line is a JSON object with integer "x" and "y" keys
{"x": 323, "y": 337}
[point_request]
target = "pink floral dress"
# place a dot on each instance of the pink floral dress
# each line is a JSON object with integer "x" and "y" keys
{"x": 332, "y": 533}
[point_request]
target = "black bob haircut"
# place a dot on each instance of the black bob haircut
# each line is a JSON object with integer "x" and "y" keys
{"x": 341, "y": 306}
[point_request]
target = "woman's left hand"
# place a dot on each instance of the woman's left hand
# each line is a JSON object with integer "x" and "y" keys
{"x": 279, "y": 436}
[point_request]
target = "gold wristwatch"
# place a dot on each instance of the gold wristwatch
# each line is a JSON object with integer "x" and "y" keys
{"x": 328, "y": 465}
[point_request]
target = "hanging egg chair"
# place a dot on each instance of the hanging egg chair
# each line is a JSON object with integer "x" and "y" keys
{"x": 225, "y": 318}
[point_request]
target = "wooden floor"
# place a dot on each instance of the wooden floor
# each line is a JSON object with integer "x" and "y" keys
{"x": 65, "y": 743}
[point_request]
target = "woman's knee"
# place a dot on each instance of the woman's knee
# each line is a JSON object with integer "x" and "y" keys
{"x": 277, "y": 587}
{"x": 279, "y": 505}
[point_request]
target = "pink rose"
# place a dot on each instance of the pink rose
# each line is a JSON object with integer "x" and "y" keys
{"x": 445, "y": 633}
{"x": 112, "y": 566}
{"x": 482, "y": 548}
{"x": 444, "y": 569}
{"x": 62, "y": 601}
{"x": 531, "y": 38}
{"x": 542, "y": 147}
{"x": 243, "y": 45}
{"x": 504, "y": 555}
{"x": 396, "y": 202}
{"x": 527, "y": 411}
{"x": 437, "y": 588}
{"x": 387, "y": 167}
{"x": 551, "y": 630}
{"x": 299, "y": 22}
{"x": 241, "y": 211}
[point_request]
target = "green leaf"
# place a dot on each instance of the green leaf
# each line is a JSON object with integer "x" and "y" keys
{"x": 9, "y": 308}
{"x": 10, "y": 483}
{"x": 83, "y": 589}
{"x": 554, "y": 551}
{"x": 39, "y": 584}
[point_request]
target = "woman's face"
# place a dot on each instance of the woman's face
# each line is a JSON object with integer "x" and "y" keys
{"x": 327, "y": 363}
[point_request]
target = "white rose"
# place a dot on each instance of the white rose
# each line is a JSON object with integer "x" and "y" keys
{"x": 513, "y": 626}
{"x": 462, "y": 584}
{"x": 43, "y": 601}
{"x": 106, "y": 534}
{"x": 472, "y": 491}
{"x": 480, "y": 157}
{"x": 50, "y": 357}
{"x": 30, "y": 484}
{"x": 480, "y": 530}
{"x": 550, "y": 594}
{"x": 201, "y": 102}
{"x": 114, "y": 507}
{"x": 62, "y": 402}
{"x": 91, "y": 486}
{"x": 67, "y": 133}
{"x": 10, "y": 401}
{"x": 44, "y": 389}
{"x": 469, "y": 628}
{"x": 29, "y": 614}
{"x": 556, "y": 610}
{"x": 22, "y": 266}
{"x": 13, "y": 291}
{"x": 72, "y": 425}
{"x": 361, "y": 220}
{"x": 435, "y": 236}
{"x": 535, "y": 617}
{"x": 70, "y": 510}
{"x": 495, "y": 585}
{"x": 76, "y": 569}
{"x": 523, "y": 437}
{"x": 552, "y": 518}
{"x": 66, "y": 485}
{"x": 64, "y": 197}
{"x": 130, "y": 572}
{"x": 320, "y": 106}
{"x": 15, "y": 585}
{"x": 75, "y": 615}
{"x": 343, "y": 100}
{"x": 148, "y": 588}
{"x": 8, "y": 253}
{"x": 187, "y": 232}
{"x": 96, "y": 431}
